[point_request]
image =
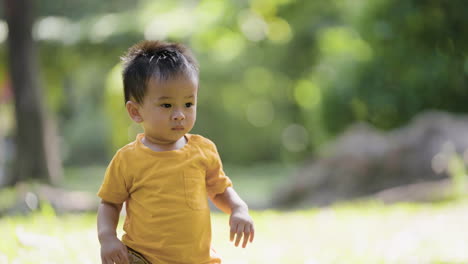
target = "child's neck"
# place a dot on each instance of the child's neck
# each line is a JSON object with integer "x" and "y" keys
{"x": 158, "y": 145}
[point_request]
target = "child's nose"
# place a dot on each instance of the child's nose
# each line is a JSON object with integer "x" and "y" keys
{"x": 178, "y": 116}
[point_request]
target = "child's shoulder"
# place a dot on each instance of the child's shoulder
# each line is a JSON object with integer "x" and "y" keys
{"x": 126, "y": 150}
{"x": 201, "y": 140}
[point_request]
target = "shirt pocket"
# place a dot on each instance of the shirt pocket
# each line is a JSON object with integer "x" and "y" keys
{"x": 195, "y": 190}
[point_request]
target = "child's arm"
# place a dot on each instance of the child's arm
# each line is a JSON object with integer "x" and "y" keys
{"x": 240, "y": 221}
{"x": 112, "y": 249}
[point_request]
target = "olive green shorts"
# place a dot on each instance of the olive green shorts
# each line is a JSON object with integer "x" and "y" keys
{"x": 136, "y": 258}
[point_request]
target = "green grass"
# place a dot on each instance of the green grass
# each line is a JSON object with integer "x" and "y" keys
{"x": 358, "y": 232}
{"x": 365, "y": 232}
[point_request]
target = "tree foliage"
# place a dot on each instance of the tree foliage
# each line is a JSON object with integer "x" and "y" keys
{"x": 278, "y": 78}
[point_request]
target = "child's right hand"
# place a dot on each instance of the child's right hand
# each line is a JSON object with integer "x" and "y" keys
{"x": 113, "y": 251}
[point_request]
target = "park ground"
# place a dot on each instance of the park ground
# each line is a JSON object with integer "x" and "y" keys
{"x": 366, "y": 231}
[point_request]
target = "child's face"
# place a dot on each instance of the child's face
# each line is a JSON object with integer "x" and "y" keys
{"x": 169, "y": 110}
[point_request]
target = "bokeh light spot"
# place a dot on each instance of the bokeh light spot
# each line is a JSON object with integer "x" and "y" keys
{"x": 279, "y": 31}
{"x": 104, "y": 27}
{"x": 252, "y": 26}
{"x": 307, "y": 94}
{"x": 342, "y": 41}
{"x": 228, "y": 46}
{"x": 51, "y": 28}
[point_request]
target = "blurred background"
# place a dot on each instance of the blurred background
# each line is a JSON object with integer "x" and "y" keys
{"x": 337, "y": 120}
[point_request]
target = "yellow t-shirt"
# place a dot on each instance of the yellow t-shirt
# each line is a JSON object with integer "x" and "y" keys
{"x": 168, "y": 217}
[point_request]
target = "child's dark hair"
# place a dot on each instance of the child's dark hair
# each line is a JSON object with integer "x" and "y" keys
{"x": 154, "y": 59}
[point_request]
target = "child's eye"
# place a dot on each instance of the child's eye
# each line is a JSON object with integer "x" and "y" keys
{"x": 188, "y": 105}
{"x": 166, "y": 105}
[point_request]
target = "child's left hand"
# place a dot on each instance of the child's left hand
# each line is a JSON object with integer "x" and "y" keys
{"x": 241, "y": 226}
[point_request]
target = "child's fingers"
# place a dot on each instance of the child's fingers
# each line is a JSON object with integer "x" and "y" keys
{"x": 117, "y": 259}
{"x": 111, "y": 260}
{"x": 107, "y": 260}
{"x": 240, "y": 230}
{"x": 252, "y": 234}
{"x": 233, "y": 232}
{"x": 246, "y": 235}
{"x": 122, "y": 259}
{"x": 124, "y": 256}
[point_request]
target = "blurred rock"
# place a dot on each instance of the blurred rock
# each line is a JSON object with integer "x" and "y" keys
{"x": 364, "y": 161}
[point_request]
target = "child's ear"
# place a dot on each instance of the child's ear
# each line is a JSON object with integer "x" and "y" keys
{"x": 132, "y": 109}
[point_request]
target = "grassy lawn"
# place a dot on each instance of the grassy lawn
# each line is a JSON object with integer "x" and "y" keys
{"x": 359, "y": 232}
{"x": 366, "y": 232}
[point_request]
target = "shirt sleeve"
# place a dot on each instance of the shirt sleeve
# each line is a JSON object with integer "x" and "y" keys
{"x": 216, "y": 179}
{"x": 114, "y": 186}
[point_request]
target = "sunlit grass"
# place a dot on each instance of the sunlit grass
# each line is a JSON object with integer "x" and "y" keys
{"x": 46, "y": 238}
{"x": 366, "y": 232}
{"x": 357, "y": 233}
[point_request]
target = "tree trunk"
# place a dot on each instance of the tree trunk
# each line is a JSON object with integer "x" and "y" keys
{"x": 35, "y": 140}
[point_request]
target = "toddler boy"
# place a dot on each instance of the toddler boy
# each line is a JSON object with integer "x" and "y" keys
{"x": 166, "y": 174}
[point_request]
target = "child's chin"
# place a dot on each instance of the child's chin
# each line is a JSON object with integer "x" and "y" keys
{"x": 176, "y": 135}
